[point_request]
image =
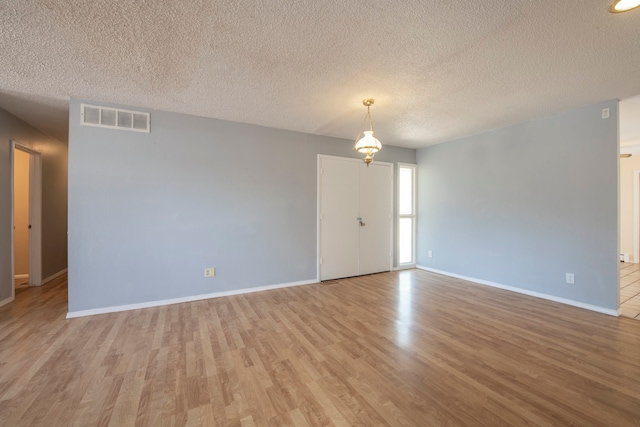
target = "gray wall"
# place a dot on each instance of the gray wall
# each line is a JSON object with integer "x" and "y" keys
{"x": 54, "y": 198}
{"x": 523, "y": 205}
{"x": 148, "y": 212}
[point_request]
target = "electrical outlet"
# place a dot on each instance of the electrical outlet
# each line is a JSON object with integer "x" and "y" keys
{"x": 570, "y": 279}
{"x": 430, "y": 254}
{"x": 605, "y": 113}
{"x": 209, "y": 272}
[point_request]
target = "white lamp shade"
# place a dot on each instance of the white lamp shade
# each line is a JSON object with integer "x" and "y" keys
{"x": 368, "y": 144}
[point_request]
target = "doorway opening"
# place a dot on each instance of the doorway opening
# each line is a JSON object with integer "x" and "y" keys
{"x": 629, "y": 207}
{"x": 26, "y": 188}
{"x": 21, "y": 218}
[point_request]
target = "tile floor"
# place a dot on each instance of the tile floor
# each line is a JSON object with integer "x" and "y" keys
{"x": 630, "y": 290}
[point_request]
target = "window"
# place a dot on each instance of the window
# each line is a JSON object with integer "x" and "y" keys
{"x": 406, "y": 214}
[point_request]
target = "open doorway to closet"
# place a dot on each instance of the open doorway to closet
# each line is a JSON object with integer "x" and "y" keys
{"x": 26, "y": 165}
{"x": 21, "y": 218}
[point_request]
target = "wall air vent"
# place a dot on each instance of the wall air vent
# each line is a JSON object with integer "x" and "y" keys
{"x": 114, "y": 118}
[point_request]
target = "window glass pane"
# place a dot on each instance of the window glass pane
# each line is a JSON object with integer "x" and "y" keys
{"x": 405, "y": 241}
{"x": 406, "y": 191}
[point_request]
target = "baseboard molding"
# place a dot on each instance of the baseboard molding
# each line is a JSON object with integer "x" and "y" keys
{"x": 54, "y": 276}
{"x": 117, "y": 308}
{"x": 571, "y": 302}
{"x": 21, "y": 276}
{"x": 6, "y": 301}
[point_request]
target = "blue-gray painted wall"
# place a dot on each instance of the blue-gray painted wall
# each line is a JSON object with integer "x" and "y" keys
{"x": 148, "y": 212}
{"x": 523, "y": 205}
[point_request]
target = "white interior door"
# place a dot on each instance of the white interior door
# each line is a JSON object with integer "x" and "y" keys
{"x": 350, "y": 191}
{"x": 375, "y": 210}
{"x": 35, "y": 219}
{"x": 338, "y": 225}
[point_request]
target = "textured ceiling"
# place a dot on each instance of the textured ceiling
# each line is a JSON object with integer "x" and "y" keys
{"x": 438, "y": 69}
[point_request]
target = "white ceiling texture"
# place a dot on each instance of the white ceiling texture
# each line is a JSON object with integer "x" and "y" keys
{"x": 438, "y": 69}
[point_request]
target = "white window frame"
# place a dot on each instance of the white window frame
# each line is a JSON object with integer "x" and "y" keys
{"x": 412, "y": 215}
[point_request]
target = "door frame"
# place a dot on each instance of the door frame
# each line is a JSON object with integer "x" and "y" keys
{"x": 35, "y": 215}
{"x": 414, "y": 215}
{"x": 318, "y": 206}
{"x": 636, "y": 216}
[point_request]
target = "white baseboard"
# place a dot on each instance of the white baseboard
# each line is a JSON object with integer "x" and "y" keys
{"x": 54, "y": 276}
{"x": 6, "y": 301}
{"x": 579, "y": 304}
{"x": 117, "y": 308}
{"x": 21, "y": 276}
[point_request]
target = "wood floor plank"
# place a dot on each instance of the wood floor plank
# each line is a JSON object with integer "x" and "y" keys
{"x": 407, "y": 348}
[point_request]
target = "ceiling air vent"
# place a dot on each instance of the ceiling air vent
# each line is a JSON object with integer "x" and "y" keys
{"x": 114, "y": 118}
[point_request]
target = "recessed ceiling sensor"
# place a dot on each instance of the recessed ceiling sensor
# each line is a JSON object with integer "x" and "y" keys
{"x": 619, "y": 6}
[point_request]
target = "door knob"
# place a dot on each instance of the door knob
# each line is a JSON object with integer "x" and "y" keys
{"x": 362, "y": 224}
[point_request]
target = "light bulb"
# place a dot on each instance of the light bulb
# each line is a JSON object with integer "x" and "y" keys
{"x": 619, "y": 6}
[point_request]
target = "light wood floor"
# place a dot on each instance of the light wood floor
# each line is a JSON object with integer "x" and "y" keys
{"x": 630, "y": 290}
{"x": 405, "y": 348}
{"x": 21, "y": 283}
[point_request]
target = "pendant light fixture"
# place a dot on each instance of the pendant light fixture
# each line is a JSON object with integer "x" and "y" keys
{"x": 368, "y": 144}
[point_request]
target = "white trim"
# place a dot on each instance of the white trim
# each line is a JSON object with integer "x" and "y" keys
{"x": 117, "y": 308}
{"x": 54, "y": 276}
{"x": 7, "y": 300}
{"x": 636, "y": 216}
{"x": 21, "y": 276}
{"x": 595, "y": 308}
{"x": 318, "y": 213}
{"x": 392, "y": 235}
